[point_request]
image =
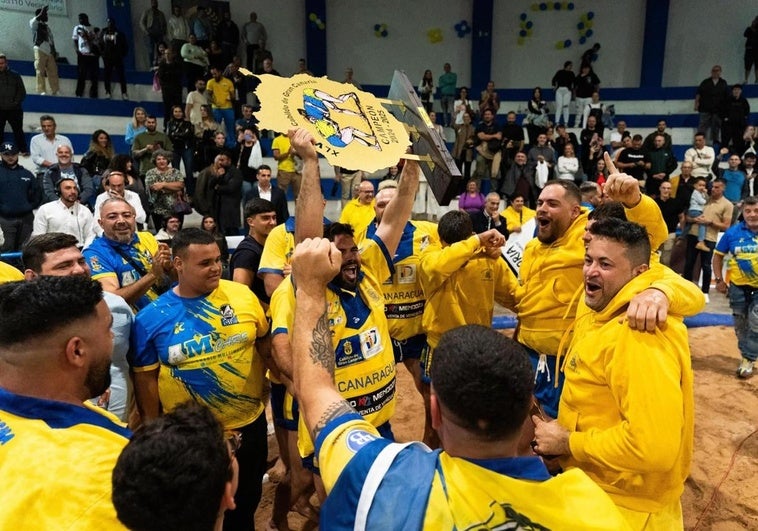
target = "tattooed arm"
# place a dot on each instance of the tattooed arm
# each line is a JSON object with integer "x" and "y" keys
{"x": 314, "y": 263}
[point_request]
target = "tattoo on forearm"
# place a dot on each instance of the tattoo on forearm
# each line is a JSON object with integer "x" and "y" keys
{"x": 334, "y": 410}
{"x": 322, "y": 352}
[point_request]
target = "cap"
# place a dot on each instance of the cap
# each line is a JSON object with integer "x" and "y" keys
{"x": 8, "y": 148}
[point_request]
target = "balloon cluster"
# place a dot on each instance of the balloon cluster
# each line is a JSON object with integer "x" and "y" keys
{"x": 585, "y": 26}
{"x": 462, "y": 28}
{"x": 525, "y": 30}
{"x": 553, "y": 6}
{"x": 380, "y": 30}
{"x": 434, "y": 35}
{"x": 316, "y": 22}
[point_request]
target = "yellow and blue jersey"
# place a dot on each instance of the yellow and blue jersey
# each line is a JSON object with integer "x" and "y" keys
{"x": 404, "y": 298}
{"x": 359, "y": 217}
{"x": 8, "y": 273}
{"x": 364, "y": 371}
{"x": 373, "y": 483}
{"x": 205, "y": 350}
{"x": 56, "y": 462}
{"x": 105, "y": 261}
{"x": 279, "y": 246}
{"x": 742, "y": 244}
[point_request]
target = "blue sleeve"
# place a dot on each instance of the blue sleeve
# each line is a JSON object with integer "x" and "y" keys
{"x": 142, "y": 352}
{"x": 724, "y": 244}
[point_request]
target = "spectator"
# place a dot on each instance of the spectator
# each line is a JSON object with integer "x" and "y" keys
{"x": 286, "y": 168}
{"x": 85, "y": 45}
{"x": 541, "y": 159}
{"x": 517, "y": 213}
{"x": 518, "y": 180}
{"x": 44, "y": 52}
{"x": 66, "y": 167}
{"x": 254, "y": 36}
{"x": 349, "y": 79}
{"x": 44, "y": 145}
{"x": 701, "y": 156}
{"x": 710, "y": 102}
{"x": 537, "y": 119}
{"x": 681, "y": 185}
{"x": 302, "y": 68}
{"x": 124, "y": 164}
{"x": 634, "y": 161}
{"x": 649, "y": 143}
{"x": 584, "y": 85}
{"x": 591, "y": 139}
{"x": 165, "y": 184}
{"x": 136, "y": 125}
{"x": 20, "y": 194}
{"x": 599, "y": 173}
{"x": 463, "y": 149}
{"x": 148, "y": 143}
{"x": 115, "y": 182}
{"x": 733, "y": 176}
{"x": 247, "y": 157}
{"x": 662, "y": 164}
{"x": 461, "y": 106}
{"x": 564, "y": 137}
{"x": 177, "y": 29}
{"x": 736, "y": 115}
{"x": 98, "y": 156}
{"x": 208, "y": 224}
{"x": 489, "y": 99}
{"x": 195, "y": 100}
{"x": 202, "y": 27}
{"x": 239, "y": 80}
{"x": 221, "y": 94}
{"x": 751, "y": 50}
{"x": 568, "y": 168}
{"x": 169, "y": 227}
{"x": 66, "y": 215}
{"x": 513, "y": 138}
{"x": 616, "y": 137}
{"x": 262, "y": 189}
{"x": 204, "y": 199}
{"x": 182, "y": 136}
{"x": 489, "y": 137}
{"x": 472, "y": 200}
{"x": 489, "y": 217}
{"x": 563, "y": 84}
{"x": 447, "y": 85}
{"x": 748, "y": 166}
{"x": 595, "y": 108}
{"x": 673, "y": 214}
{"x": 114, "y": 48}
{"x": 228, "y": 34}
{"x": 12, "y": 94}
{"x": 426, "y": 90}
{"x": 437, "y": 127}
{"x": 195, "y": 61}
{"x": 170, "y": 76}
{"x": 217, "y": 58}
{"x": 590, "y": 55}
{"x": 153, "y": 25}
{"x": 248, "y": 121}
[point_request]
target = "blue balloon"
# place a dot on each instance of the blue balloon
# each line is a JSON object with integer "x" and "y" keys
{"x": 567, "y": 43}
{"x": 529, "y": 25}
{"x": 522, "y": 16}
{"x": 588, "y": 33}
{"x": 543, "y": 6}
{"x": 571, "y": 6}
{"x": 522, "y": 33}
{"x": 557, "y": 6}
{"x": 590, "y": 15}
{"x": 582, "y": 40}
{"x": 376, "y": 27}
{"x": 580, "y": 26}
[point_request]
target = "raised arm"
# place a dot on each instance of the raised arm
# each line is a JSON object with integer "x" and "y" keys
{"x": 398, "y": 210}
{"x": 309, "y": 207}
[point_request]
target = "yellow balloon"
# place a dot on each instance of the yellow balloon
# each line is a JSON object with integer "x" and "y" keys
{"x": 521, "y": 41}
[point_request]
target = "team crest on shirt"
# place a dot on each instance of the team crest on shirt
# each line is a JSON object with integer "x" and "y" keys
{"x": 371, "y": 342}
{"x": 487, "y": 275}
{"x": 357, "y": 439}
{"x": 179, "y": 327}
{"x": 227, "y": 315}
{"x": 95, "y": 265}
{"x": 347, "y": 348}
{"x": 406, "y": 274}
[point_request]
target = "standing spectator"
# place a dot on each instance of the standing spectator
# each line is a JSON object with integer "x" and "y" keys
{"x": 461, "y": 106}
{"x": 248, "y": 121}
{"x": 170, "y": 76}
{"x": 567, "y": 168}
{"x": 426, "y": 91}
{"x": 85, "y": 45}
{"x": 584, "y": 85}
{"x": 489, "y": 138}
{"x": 204, "y": 199}
{"x": 649, "y": 143}
{"x": 98, "y": 157}
{"x": 165, "y": 183}
{"x": 136, "y": 125}
{"x": 701, "y": 156}
{"x": 710, "y": 101}
{"x": 736, "y": 114}
{"x": 20, "y": 194}
{"x": 513, "y": 138}
{"x": 205, "y": 138}
{"x": 148, "y": 143}
{"x": 463, "y": 149}
{"x": 472, "y": 200}
{"x": 537, "y": 119}
{"x": 114, "y": 48}
{"x": 182, "y": 136}
{"x": 590, "y": 55}
{"x": 153, "y": 25}
{"x": 228, "y": 34}
{"x": 44, "y": 52}
{"x": 595, "y": 108}
{"x": 195, "y": 61}
{"x": 489, "y": 99}
{"x": 733, "y": 176}
{"x": 196, "y": 99}
{"x": 247, "y": 157}
{"x": 748, "y": 166}
{"x": 634, "y": 161}
{"x": 751, "y": 50}
{"x": 66, "y": 168}
{"x": 349, "y": 79}
{"x": 447, "y": 85}
{"x": 262, "y": 189}
{"x": 201, "y": 27}
{"x": 177, "y": 29}
{"x": 254, "y": 36}
{"x": 217, "y": 58}
{"x": 563, "y": 84}
{"x": 228, "y": 191}
{"x": 673, "y": 214}
{"x": 518, "y": 181}
{"x": 12, "y": 94}
{"x": 662, "y": 164}
{"x": 44, "y": 145}
{"x": 682, "y": 184}
{"x": 239, "y": 80}
{"x": 591, "y": 136}
{"x": 286, "y": 169}
{"x": 221, "y": 95}
{"x": 349, "y": 181}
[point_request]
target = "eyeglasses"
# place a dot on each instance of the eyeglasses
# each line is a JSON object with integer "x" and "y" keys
{"x": 234, "y": 441}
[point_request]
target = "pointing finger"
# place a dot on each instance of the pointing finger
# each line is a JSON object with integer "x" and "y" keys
{"x": 609, "y": 164}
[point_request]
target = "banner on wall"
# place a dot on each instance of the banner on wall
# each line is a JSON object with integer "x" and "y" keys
{"x": 57, "y": 7}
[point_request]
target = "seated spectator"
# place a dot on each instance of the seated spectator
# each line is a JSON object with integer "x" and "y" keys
{"x": 183, "y": 451}
{"x": 568, "y": 168}
{"x": 115, "y": 184}
{"x": 169, "y": 227}
{"x": 472, "y": 200}
{"x": 66, "y": 214}
{"x": 516, "y": 214}
{"x": 98, "y": 156}
{"x": 66, "y": 167}
{"x": 489, "y": 217}
{"x": 125, "y": 164}
{"x": 136, "y": 125}
{"x": 537, "y": 119}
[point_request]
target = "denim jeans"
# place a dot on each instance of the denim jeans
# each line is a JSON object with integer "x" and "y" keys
{"x": 742, "y": 301}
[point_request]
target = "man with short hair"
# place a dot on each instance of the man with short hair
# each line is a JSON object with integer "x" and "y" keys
{"x": 153, "y": 25}
{"x": 206, "y": 340}
{"x": 85, "y": 46}
{"x": 46, "y": 381}
{"x": 254, "y": 36}
{"x": 195, "y": 100}
{"x": 701, "y": 156}
{"x": 634, "y": 161}
{"x": 740, "y": 241}
{"x": 447, "y": 84}
{"x": 513, "y": 137}
{"x": 489, "y": 217}
{"x": 710, "y": 102}
{"x": 114, "y": 183}
{"x": 263, "y": 190}
{"x": 662, "y": 163}
{"x": 247, "y": 121}
{"x": 681, "y": 185}
{"x": 128, "y": 263}
{"x": 20, "y": 194}
{"x": 733, "y": 176}
{"x": 286, "y": 169}
{"x": 673, "y": 213}
{"x": 260, "y": 216}
{"x": 44, "y": 146}
{"x": 58, "y": 254}
{"x": 177, "y": 28}
{"x": 489, "y": 99}
{"x": 649, "y": 143}
{"x": 147, "y": 143}
{"x": 476, "y": 427}
{"x": 12, "y": 94}
{"x": 488, "y": 140}
{"x": 639, "y": 454}
{"x": 44, "y": 52}
{"x": 616, "y": 137}
{"x": 591, "y": 196}
{"x": 359, "y": 212}
{"x": 184, "y": 451}
{"x": 541, "y": 155}
{"x": 66, "y": 167}
{"x": 221, "y": 94}
{"x": 66, "y": 215}
{"x": 748, "y": 166}
{"x": 519, "y": 180}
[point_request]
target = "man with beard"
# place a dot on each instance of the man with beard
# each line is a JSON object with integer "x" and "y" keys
{"x": 56, "y": 254}
{"x": 148, "y": 142}
{"x": 206, "y": 340}
{"x": 128, "y": 263}
{"x": 46, "y": 380}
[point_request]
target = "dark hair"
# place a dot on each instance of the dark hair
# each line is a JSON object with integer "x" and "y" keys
{"x": 118, "y": 162}
{"x": 34, "y": 251}
{"x": 455, "y": 226}
{"x": 166, "y": 219}
{"x": 258, "y": 206}
{"x": 484, "y": 379}
{"x": 571, "y": 189}
{"x": 636, "y": 137}
{"x": 45, "y": 304}
{"x": 631, "y": 235}
{"x": 608, "y": 209}
{"x": 150, "y": 117}
{"x": 190, "y": 236}
{"x": 173, "y": 472}
{"x": 698, "y": 179}
{"x": 700, "y": 133}
{"x": 46, "y": 118}
{"x": 567, "y": 63}
{"x": 719, "y": 180}
{"x": 750, "y": 200}
{"x": 339, "y": 229}
{"x": 263, "y": 167}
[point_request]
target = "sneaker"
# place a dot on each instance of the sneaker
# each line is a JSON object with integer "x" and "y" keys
{"x": 43, "y": 93}
{"x": 125, "y": 96}
{"x": 745, "y": 369}
{"x": 107, "y": 95}
{"x": 701, "y": 246}
{"x": 707, "y": 298}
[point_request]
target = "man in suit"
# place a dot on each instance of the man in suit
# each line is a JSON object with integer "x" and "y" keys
{"x": 264, "y": 190}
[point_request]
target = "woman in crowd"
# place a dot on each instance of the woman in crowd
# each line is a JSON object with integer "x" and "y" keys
{"x": 182, "y": 136}
{"x": 537, "y": 120}
{"x": 165, "y": 184}
{"x": 209, "y": 225}
{"x": 426, "y": 91}
{"x": 247, "y": 157}
{"x": 568, "y": 168}
{"x": 98, "y": 156}
{"x": 461, "y": 106}
{"x": 125, "y": 164}
{"x": 136, "y": 125}
{"x": 472, "y": 200}
{"x": 463, "y": 149}
{"x": 205, "y": 131}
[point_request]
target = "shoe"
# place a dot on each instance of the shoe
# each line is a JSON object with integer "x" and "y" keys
{"x": 43, "y": 93}
{"x": 701, "y": 246}
{"x": 745, "y": 369}
{"x": 107, "y": 95}
{"x": 125, "y": 96}
{"x": 707, "y": 298}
